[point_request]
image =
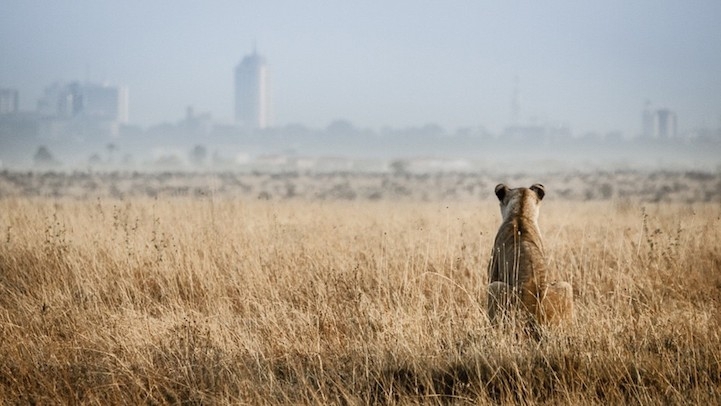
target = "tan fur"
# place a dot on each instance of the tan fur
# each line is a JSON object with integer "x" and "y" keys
{"x": 518, "y": 270}
{"x": 558, "y": 303}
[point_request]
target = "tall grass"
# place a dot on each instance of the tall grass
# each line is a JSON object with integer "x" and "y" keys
{"x": 211, "y": 301}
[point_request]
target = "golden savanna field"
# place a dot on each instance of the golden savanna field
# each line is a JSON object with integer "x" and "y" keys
{"x": 219, "y": 299}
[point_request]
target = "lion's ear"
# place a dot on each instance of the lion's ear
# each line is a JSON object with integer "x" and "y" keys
{"x": 539, "y": 189}
{"x": 501, "y": 191}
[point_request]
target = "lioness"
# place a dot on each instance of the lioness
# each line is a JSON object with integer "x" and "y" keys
{"x": 518, "y": 270}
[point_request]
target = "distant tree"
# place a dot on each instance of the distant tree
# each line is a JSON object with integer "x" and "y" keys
{"x": 198, "y": 155}
{"x": 44, "y": 158}
{"x": 399, "y": 167}
{"x": 606, "y": 190}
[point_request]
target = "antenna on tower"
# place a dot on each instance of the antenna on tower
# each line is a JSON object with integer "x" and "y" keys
{"x": 515, "y": 102}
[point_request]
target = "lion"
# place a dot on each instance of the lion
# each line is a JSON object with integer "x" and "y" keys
{"x": 518, "y": 270}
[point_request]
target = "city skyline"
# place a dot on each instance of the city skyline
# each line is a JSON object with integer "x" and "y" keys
{"x": 588, "y": 67}
{"x": 253, "y": 111}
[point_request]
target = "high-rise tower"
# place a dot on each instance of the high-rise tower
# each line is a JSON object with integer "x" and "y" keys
{"x": 666, "y": 123}
{"x": 252, "y": 92}
{"x": 659, "y": 123}
{"x": 9, "y": 101}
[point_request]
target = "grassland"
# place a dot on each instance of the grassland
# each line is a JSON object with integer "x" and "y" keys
{"x": 213, "y": 300}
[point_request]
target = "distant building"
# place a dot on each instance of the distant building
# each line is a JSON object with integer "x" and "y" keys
{"x": 87, "y": 100}
{"x": 252, "y": 92}
{"x": 666, "y": 126}
{"x": 61, "y": 101}
{"x": 9, "y": 101}
{"x": 536, "y": 133}
{"x": 105, "y": 102}
{"x": 196, "y": 124}
{"x": 82, "y": 109}
{"x": 659, "y": 123}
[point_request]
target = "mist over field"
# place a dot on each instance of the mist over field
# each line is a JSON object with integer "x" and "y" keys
{"x": 326, "y": 150}
{"x": 281, "y": 86}
{"x": 287, "y": 202}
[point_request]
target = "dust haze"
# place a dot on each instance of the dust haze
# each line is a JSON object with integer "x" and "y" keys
{"x": 368, "y": 88}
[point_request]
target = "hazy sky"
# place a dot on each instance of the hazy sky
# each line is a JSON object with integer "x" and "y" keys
{"x": 590, "y": 65}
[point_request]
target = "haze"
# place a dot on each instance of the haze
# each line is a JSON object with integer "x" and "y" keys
{"x": 590, "y": 66}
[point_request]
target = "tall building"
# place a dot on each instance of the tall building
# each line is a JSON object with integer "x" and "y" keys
{"x": 86, "y": 100}
{"x": 82, "y": 109}
{"x": 659, "y": 123}
{"x": 252, "y": 92}
{"x": 105, "y": 102}
{"x": 665, "y": 123}
{"x": 9, "y": 101}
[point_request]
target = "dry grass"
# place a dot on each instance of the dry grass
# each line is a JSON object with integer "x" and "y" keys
{"x": 641, "y": 186}
{"x": 212, "y": 301}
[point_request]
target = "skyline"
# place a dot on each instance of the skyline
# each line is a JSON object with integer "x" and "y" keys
{"x": 591, "y": 67}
